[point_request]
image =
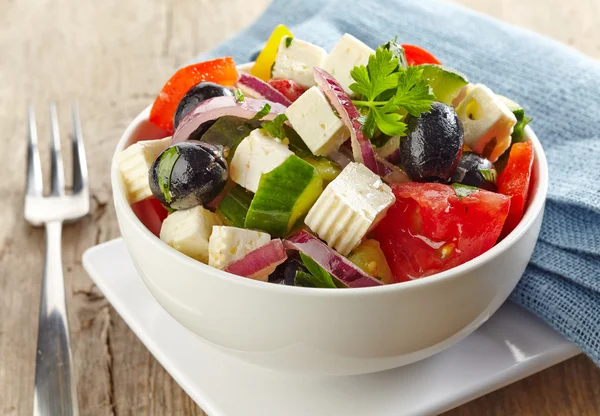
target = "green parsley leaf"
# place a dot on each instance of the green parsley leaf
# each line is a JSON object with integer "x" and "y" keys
{"x": 413, "y": 94}
{"x": 288, "y": 41}
{"x": 389, "y": 122}
{"x": 275, "y": 127}
{"x": 388, "y": 91}
{"x": 463, "y": 190}
{"x": 239, "y": 94}
{"x": 319, "y": 276}
{"x": 263, "y": 112}
{"x": 489, "y": 175}
{"x": 165, "y": 168}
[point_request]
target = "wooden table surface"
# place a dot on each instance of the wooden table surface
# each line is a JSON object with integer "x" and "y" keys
{"x": 113, "y": 56}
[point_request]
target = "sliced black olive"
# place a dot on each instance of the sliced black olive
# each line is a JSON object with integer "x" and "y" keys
{"x": 433, "y": 144}
{"x": 197, "y": 94}
{"x": 188, "y": 174}
{"x": 475, "y": 170}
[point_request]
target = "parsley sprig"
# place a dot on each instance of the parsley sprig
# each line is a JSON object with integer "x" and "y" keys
{"x": 388, "y": 92}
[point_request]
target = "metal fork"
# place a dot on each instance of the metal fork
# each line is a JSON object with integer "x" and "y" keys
{"x": 55, "y": 383}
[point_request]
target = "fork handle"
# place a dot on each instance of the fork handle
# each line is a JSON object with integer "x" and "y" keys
{"x": 55, "y": 383}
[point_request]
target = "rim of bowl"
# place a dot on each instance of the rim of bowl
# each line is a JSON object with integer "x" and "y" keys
{"x": 534, "y": 209}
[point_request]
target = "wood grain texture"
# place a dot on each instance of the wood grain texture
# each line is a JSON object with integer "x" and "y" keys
{"x": 113, "y": 56}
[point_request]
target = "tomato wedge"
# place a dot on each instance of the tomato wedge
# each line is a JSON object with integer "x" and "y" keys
{"x": 151, "y": 213}
{"x": 418, "y": 56}
{"x": 514, "y": 182}
{"x": 290, "y": 89}
{"x": 430, "y": 229}
{"x": 220, "y": 71}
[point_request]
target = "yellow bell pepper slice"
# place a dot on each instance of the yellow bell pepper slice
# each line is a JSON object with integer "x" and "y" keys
{"x": 266, "y": 58}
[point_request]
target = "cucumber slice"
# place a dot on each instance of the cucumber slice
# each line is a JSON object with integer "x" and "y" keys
{"x": 229, "y": 131}
{"x": 370, "y": 258}
{"x": 234, "y": 206}
{"x": 327, "y": 169}
{"x": 284, "y": 195}
{"x": 445, "y": 82}
{"x": 522, "y": 120}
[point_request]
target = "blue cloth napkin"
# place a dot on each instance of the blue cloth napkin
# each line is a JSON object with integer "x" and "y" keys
{"x": 559, "y": 86}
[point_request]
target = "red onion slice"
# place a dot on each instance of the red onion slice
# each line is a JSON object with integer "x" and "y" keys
{"x": 259, "y": 88}
{"x": 223, "y": 106}
{"x": 337, "y": 265}
{"x": 361, "y": 147}
{"x": 259, "y": 263}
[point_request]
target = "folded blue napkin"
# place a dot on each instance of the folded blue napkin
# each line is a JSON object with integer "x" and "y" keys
{"x": 557, "y": 85}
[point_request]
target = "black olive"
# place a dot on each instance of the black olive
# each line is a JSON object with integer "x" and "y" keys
{"x": 188, "y": 174}
{"x": 471, "y": 170}
{"x": 433, "y": 144}
{"x": 285, "y": 273}
{"x": 198, "y": 93}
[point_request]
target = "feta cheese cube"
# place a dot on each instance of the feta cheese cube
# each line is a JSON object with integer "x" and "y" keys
{"x": 314, "y": 120}
{"x": 256, "y": 154}
{"x": 134, "y": 164}
{"x": 348, "y": 53}
{"x": 488, "y": 123}
{"x": 295, "y": 60}
{"x": 228, "y": 244}
{"x": 351, "y": 205}
{"x": 188, "y": 231}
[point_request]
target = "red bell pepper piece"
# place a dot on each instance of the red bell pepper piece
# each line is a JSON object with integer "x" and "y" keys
{"x": 514, "y": 182}
{"x": 418, "y": 56}
{"x": 220, "y": 71}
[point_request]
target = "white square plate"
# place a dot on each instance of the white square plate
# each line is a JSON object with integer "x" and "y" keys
{"x": 512, "y": 345}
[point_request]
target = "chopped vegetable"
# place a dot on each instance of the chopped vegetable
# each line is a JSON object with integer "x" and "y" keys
{"x": 445, "y": 82}
{"x": 327, "y": 169}
{"x": 227, "y": 132}
{"x": 361, "y": 147}
{"x": 514, "y": 182}
{"x": 198, "y": 94}
{"x": 225, "y": 106}
{"x": 259, "y": 263}
{"x": 315, "y": 276}
{"x": 290, "y": 89}
{"x": 257, "y": 88}
{"x": 387, "y": 87}
{"x": 430, "y": 229}
{"x": 234, "y": 206}
{"x": 151, "y": 213}
{"x": 220, "y": 71}
{"x": 369, "y": 257}
{"x": 418, "y": 56}
{"x": 275, "y": 128}
{"x": 343, "y": 270}
{"x": 284, "y": 194}
{"x": 266, "y": 58}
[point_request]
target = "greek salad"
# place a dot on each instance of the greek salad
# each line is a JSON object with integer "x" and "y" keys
{"x": 352, "y": 168}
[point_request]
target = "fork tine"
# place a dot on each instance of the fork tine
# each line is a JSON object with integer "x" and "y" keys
{"x": 34, "y": 186}
{"x": 80, "y": 172}
{"x": 56, "y": 172}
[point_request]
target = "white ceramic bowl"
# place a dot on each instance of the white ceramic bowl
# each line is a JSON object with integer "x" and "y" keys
{"x": 311, "y": 330}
